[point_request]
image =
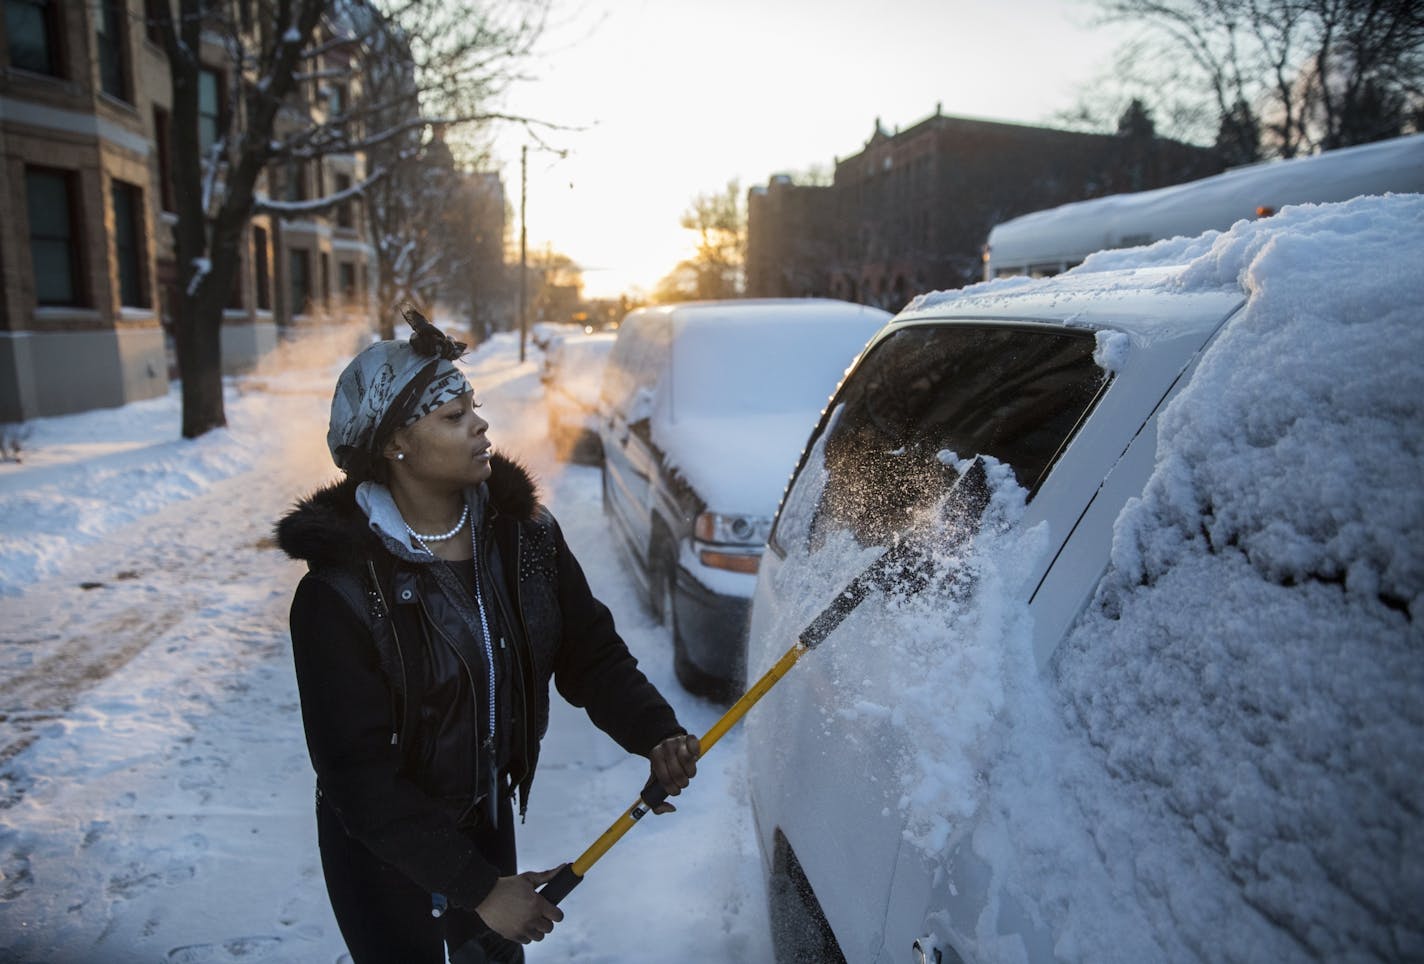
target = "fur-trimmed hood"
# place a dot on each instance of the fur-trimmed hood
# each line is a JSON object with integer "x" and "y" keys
{"x": 329, "y": 528}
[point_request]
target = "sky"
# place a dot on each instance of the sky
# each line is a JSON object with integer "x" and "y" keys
{"x": 674, "y": 98}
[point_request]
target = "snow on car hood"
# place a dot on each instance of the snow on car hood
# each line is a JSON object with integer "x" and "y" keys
{"x": 737, "y": 464}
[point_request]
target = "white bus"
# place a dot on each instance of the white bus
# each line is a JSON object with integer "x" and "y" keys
{"x": 1047, "y": 242}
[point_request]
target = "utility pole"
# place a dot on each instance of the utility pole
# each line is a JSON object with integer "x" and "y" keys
{"x": 523, "y": 250}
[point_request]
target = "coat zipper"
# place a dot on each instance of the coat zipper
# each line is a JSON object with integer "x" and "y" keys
{"x": 514, "y": 650}
{"x": 487, "y": 641}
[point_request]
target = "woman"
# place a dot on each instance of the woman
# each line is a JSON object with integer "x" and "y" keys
{"x": 441, "y": 599}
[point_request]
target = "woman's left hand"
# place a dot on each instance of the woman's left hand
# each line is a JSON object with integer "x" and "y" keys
{"x": 674, "y": 764}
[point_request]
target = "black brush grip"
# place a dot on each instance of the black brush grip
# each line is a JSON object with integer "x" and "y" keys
{"x": 558, "y": 888}
{"x": 653, "y": 793}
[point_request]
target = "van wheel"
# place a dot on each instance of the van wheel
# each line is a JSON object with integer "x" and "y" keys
{"x": 799, "y": 932}
{"x": 665, "y": 609}
{"x": 660, "y": 582}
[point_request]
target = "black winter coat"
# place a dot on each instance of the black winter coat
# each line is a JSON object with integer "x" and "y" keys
{"x": 393, "y": 738}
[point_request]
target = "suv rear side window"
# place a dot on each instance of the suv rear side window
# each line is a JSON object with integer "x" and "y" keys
{"x": 637, "y": 359}
{"x": 1017, "y": 394}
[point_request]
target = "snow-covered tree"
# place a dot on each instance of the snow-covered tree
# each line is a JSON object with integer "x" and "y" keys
{"x": 304, "y": 80}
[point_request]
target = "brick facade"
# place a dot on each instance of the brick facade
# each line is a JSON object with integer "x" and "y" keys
{"x": 911, "y": 211}
{"x": 89, "y": 112}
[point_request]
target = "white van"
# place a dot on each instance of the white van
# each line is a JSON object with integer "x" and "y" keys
{"x": 705, "y": 407}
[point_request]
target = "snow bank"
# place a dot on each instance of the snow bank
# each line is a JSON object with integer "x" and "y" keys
{"x": 84, "y": 475}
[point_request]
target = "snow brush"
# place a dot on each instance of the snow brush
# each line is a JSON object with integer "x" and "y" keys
{"x": 907, "y": 565}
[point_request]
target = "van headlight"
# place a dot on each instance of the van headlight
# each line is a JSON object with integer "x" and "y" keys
{"x": 731, "y": 542}
{"x": 742, "y": 530}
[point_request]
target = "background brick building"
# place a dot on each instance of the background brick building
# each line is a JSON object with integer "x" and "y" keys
{"x": 910, "y": 212}
{"x": 86, "y": 213}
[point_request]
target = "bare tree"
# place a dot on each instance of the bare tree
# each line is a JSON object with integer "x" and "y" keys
{"x": 1304, "y": 75}
{"x": 556, "y": 285}
{"x": 436, "y": 70}
{"x": 679, "y": 284}
{"x": 478, "y": 283}
{"x": 718, "y": 267}
{"x": 450, "y": 59}
{"x": 1368, "y": 67}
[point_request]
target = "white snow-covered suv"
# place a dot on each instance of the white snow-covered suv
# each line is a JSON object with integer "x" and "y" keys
{"x": 1114, "y": 722}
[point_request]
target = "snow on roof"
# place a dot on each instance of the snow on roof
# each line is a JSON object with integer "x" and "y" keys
{"x": 1070, "y": 232}
{"x": 1130, "y": 300}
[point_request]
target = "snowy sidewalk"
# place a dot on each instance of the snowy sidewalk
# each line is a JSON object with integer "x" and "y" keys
{"x": 155, "y": 794}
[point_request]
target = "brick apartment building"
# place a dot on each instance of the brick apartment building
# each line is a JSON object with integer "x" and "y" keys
{"x": 910, "y": 212}
{"x": 86, "y": 209}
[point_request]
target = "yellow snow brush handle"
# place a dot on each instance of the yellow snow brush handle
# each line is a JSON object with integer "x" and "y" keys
{"x": 906, "y": 566}
{"x": 570, "y": 875}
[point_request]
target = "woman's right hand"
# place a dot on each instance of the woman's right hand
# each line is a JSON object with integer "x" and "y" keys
{"x": 514, "y": 910}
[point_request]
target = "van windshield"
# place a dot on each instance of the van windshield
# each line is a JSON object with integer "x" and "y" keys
{"x": 923, "y": 397}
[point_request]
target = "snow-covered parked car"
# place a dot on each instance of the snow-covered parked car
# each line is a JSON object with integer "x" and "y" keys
{"x": 572, "y": 380}
{"x": 545, "y": 333}
{"x": 1160, "y": 699}
{"x": 706, "y": 406}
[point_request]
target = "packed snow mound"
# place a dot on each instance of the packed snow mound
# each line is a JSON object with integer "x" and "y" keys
{"x": 1250, "y": 676}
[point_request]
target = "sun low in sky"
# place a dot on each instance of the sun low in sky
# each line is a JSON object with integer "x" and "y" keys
{"x": 675, "y": 98}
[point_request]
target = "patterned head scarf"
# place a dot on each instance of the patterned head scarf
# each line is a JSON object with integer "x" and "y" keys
{"x": 392, "y": 384}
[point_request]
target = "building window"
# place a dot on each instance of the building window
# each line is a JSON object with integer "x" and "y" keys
{"x": 129, "y": 246}
{"x": 346, "y": 278}
{"x": 32, "y": 27}
{"x": 259, "y": 264}
{"x": 164, "y": 152}
{"x": 299, "y": 269}
{"x": 326, "y": 281}
{"x": 296, "y": 181}
{"x": 113, "y": 51}
{"x": 343, "y": 210}
{"x": 54, "y": 237}
{"x": 210, "y": 108}
{"x": 152, "y": 17}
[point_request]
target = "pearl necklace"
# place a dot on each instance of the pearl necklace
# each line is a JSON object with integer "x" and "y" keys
{"x": 440, "y": 537}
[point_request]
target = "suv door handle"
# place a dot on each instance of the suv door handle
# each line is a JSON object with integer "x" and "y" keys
{"x": 926, "y": 951}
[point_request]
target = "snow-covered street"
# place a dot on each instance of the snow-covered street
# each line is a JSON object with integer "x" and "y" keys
{"x": 155, "y": 793}
{"x": 1221, "y": 761}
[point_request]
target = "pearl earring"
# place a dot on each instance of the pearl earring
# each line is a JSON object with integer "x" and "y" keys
{"x": 400, "y": 456}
